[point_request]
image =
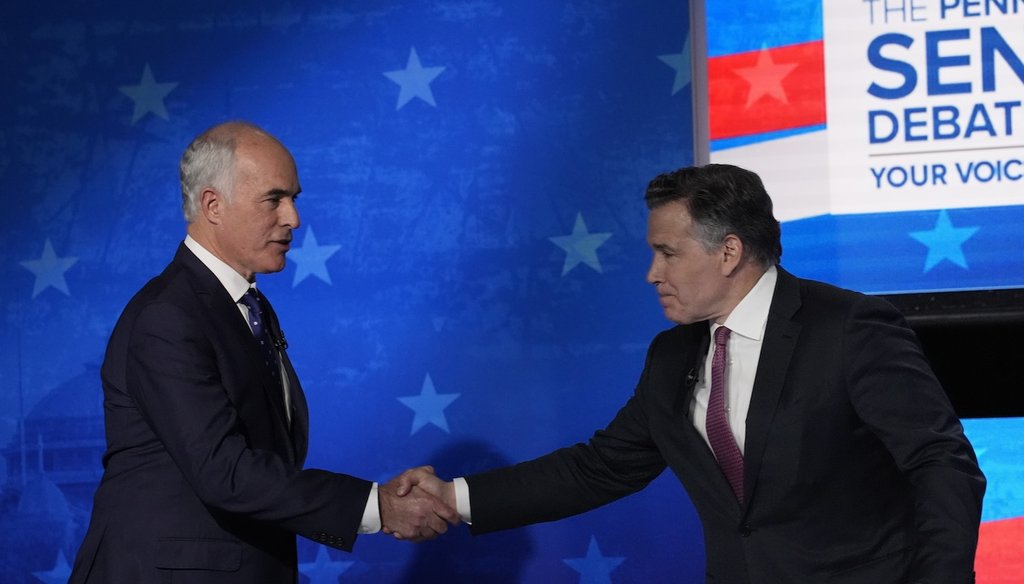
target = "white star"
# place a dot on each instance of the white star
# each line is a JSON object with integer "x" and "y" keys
{"x": 59, "y": 574}
{"x": 681, "y": 63}
{"x": 429, "y": 406}
{"x": 323, "y": 570}
{"x": 311, "y": 258}
{"x": 414, "y": 80}
{"x": 49, "y": 270}
{"x": 148, "y": 95}
{"x": 580, "y": 246}
{"x": 944, "y": 242}
{"x": 765, "y": 78}
{"x": 594, "y": 568}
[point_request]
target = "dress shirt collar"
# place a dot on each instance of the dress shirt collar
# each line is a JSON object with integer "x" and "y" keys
{"x": 750, "y": 316}
{"x": 232, "y": 281}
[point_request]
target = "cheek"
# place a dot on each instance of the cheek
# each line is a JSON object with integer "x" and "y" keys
{"x": 680, "y": 278}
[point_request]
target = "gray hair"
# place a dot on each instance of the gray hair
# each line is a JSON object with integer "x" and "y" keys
{"x": 209, "y": 162}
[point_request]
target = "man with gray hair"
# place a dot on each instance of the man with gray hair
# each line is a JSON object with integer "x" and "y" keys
{"x": 206, "y": 423}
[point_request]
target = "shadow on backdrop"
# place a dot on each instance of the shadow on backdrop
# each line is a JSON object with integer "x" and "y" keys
{"x": 458, "y": 557}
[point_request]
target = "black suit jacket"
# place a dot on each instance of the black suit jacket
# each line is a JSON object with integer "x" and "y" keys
{"x": 203, "y": 475}
{"x": 856, "y": 467}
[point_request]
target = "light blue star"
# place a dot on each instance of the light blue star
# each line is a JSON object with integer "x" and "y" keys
{"x": 594, "y": 568}
{"x": 414, "y": 80}
{"x": 148, "y": 95}
{"x": 681, "y": 63}
{"x": 429, "y": 406}
{"x": 49, "y": 270}
{"x": 580, "y": 246}
{"x": 59, "y": 574}
{"x": 323, "y": 570}
{"x": 944, "y": 242}
{"x": 311, "y": 258}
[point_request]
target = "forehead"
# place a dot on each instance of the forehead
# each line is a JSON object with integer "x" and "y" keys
{"x": 669, "y": 222}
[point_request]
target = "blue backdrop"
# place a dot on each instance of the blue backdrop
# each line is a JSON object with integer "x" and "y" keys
{"x": 467, "y": 286}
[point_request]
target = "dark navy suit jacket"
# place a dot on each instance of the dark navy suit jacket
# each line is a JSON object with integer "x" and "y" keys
{"x": 856, "y": 467}
{"x": 203, "y": 478}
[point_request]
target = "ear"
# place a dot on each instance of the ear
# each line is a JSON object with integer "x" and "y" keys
{"x": 211, "y": 205}
{"x": 732, "y": 254}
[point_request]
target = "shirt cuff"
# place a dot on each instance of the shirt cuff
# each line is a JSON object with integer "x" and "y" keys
{"x": 462, "y": 500}
{"x": 371, "y": 514}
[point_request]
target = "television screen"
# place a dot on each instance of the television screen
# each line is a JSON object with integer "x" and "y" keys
{"x": 889, "y": 134}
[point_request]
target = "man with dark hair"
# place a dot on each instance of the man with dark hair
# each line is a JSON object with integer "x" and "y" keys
{"x": 803, "y": 420}
{"x": 206, "y": 423}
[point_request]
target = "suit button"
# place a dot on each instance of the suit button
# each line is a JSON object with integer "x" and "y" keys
{"x": 746, "y": 530}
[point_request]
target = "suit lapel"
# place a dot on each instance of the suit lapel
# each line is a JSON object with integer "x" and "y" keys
{"x": 300, "y": 412}
{"x": 227, "y": 319}
{"x": 299, "y": 429}
{"x": 695, "y": 451}
{"x": 780, "y": 338}
{"x": 692, "y": 361}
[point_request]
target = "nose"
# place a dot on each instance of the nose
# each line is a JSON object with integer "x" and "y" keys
{"x": 288, "y": 214}
{"x": 654, "y": 275}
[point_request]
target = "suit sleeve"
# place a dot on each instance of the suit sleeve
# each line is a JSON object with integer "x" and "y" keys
{"x": 173, "y": 375}
{"x": 617, "y": 461}
{"x": 895, "y": 392}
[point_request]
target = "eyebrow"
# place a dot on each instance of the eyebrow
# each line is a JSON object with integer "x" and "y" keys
{"x": 281, "y": 193}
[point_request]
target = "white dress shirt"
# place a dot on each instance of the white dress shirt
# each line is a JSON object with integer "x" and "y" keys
{"x": 743, "y": 352}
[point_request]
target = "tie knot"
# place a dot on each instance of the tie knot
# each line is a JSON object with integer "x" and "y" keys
{"x": 721, "y": 336}
{"x": 251, "y": 300}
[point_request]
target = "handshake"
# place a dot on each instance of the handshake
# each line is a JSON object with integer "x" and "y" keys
{"x": 417, "y": 505}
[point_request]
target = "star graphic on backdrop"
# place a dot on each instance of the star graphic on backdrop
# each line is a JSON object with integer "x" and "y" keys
{"x": 59, "y": 574}
{"x": 311, "y": 258}
{"x": 944, "y": 242}
{"x": 429, "y": 406}
{"x": 414, "y": 80}
{"x": 765, "y": 78}
{"x": 323, "y": 570}
{"x": 681, "y": 63}
{"x": 49, "y": 270}
{"x": 148, "y": 95}
{"x": 594, "y": 568}
{"x": 580, "y": 246}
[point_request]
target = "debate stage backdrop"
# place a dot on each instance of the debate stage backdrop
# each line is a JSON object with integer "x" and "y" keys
{"x": 466, "y": 288}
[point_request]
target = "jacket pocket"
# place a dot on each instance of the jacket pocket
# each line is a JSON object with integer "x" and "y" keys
{"x": 198, "y": 554}
{"x": 888, "y": 568}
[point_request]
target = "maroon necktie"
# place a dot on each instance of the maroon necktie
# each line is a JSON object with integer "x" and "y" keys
{"x": 730, "y": 459}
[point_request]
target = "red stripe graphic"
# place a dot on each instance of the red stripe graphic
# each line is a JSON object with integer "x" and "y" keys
{"x": 762, "y": 91}
{"x": 999, "y": 559}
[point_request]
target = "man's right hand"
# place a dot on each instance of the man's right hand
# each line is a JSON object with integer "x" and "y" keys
{"x": 424, "y": 478}
{"x": 416, "y": 514}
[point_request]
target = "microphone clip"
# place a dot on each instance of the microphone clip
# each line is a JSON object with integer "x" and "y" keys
{"x": 280, "y": 343}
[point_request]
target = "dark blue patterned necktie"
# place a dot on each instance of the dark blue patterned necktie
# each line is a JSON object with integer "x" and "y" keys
{"x": 262, "y": 333}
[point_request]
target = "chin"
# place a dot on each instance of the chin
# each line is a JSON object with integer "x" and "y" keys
{"x": 275, "y": 267}
{"x": 678, "y": 318}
